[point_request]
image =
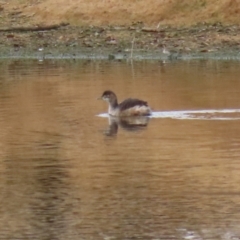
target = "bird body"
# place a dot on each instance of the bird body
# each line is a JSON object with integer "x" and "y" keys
{"x": 129, "y": 107}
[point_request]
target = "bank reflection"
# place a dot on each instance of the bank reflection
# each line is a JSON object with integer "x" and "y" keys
{"x": 34, "y": 188}
{"x": 49, "y": 207}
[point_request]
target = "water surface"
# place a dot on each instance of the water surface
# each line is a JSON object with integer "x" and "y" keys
{"x": 66, "y": 173}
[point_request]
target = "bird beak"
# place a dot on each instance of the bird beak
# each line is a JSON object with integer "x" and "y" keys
{"x": 99, "y": 98}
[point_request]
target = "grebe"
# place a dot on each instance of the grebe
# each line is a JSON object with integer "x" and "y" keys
{"x": 129, "y": 107}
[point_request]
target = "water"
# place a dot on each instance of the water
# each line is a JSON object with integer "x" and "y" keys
{"x": 67, "y": 173}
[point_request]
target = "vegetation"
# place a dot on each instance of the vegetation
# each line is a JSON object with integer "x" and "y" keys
{"x": 125, "y": 12}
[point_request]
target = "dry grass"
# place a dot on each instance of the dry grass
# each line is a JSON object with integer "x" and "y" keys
{"x": 125, "y": 12}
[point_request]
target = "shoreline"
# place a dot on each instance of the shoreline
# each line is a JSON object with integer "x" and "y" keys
{"x": 105, "y": 54}
{"x": 202, "y": 41}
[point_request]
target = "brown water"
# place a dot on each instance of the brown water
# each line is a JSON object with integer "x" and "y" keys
{"x": 66, "y": 174}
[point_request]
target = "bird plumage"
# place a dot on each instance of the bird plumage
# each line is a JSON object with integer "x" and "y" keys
{"x": 129, "y": 107}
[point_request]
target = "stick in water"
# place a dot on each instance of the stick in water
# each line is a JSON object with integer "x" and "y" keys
{"x": 132, "y": 47}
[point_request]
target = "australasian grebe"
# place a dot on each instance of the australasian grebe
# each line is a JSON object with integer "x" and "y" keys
{"x": 129, "y": 107}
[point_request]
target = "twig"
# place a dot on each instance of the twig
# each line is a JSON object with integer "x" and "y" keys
{"x": 33, "y": 29}
{"x": 131, "y": 56}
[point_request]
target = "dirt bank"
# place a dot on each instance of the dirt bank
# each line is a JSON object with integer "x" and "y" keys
{"x": 125, "y": 12}
{"x": 110, "y": 27}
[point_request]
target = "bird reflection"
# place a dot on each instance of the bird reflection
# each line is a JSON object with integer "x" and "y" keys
{"x": 127, "y": 123}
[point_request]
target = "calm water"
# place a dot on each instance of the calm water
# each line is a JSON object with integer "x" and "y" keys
{"x": 66, "y": 173}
